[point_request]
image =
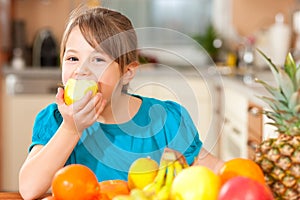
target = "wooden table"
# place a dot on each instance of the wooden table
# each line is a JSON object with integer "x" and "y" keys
{"x": 10, "y": 195}
{"x": 13, "y": 196}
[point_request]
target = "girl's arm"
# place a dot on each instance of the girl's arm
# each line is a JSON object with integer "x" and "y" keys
{"x": 36, "y": 174}
{"x": 206, "y": 159}
{"x": 42, "y": 163}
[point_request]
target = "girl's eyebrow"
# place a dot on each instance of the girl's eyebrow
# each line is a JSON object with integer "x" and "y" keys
{"x": 71, "y": 51}
{"x": 99, "y": 50}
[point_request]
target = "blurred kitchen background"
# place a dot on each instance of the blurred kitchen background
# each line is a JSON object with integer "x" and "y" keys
{"x": 214, "y": 81}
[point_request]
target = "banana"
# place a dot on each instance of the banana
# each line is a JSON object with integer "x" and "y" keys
{"x": 159, "y": 180}
{"x": 170, "y": 166}
{"x": 163, "y": 193}
{"x": 185, "y": 165}
{"x": 151, "y": 188}
{"x": 178, "y": 167}
{"x": 169, "y": 156}
{"x": 138, "y": 194}
{"x": 170, "y": 174}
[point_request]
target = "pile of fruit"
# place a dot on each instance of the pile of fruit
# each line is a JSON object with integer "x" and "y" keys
{"x": 171, "y": 179}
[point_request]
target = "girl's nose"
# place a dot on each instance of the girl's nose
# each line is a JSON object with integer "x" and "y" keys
{"x": 82, "y": 69}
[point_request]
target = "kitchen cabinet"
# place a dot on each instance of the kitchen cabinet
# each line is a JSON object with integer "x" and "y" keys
{"x": 255, "y": 128}
{"x": 234, "y": 134}
{"x": 244, "y": 125}
{"x": 18, "y": 114}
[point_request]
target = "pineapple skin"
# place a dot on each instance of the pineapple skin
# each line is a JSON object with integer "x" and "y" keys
{"x": 279, "y": 157}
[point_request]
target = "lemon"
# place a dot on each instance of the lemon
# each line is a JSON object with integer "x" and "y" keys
{"x": 76, "y": 89}
{"x": 142, "y": 172}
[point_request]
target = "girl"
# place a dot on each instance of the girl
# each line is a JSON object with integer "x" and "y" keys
{"x": 110, "y": 130}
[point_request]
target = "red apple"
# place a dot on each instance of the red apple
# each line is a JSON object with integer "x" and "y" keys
{"x": 243, "y": 188}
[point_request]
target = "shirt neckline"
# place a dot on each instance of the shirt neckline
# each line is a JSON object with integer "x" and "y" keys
{"x": 140, "y": 110}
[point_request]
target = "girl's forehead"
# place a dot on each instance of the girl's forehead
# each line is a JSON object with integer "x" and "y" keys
{"x": 77, "y": 36}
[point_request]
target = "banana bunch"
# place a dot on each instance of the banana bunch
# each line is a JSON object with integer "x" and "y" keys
{"x": 171, "y": 164}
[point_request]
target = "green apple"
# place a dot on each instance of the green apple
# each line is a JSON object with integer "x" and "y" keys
{"x": 75, "y": 89}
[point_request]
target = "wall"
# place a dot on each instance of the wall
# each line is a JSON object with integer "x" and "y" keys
{"x": 43, "y": 13}
{"x": 247, "y": 16}
{"x": 250, "y": 16}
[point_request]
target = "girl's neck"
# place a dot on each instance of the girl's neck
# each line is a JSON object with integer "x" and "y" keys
{"x": 120, "y": 110}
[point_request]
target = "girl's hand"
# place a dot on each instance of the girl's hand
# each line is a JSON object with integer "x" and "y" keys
{"x": 81, "y": 114}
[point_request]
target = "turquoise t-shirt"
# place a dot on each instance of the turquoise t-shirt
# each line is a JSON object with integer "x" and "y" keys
{"x": 109, "y": 149}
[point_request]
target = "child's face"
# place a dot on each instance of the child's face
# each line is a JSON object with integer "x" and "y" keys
{"x": 82, "y": 61}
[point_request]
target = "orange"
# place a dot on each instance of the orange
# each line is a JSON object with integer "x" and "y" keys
{"x": 112, "y": 188}
{"x": 241, "y": 167}
{"x": 75, "y": 182}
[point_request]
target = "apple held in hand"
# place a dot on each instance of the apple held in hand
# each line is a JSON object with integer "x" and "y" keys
{"x": 75, "y": 89}
{"x": 243, "y": 188}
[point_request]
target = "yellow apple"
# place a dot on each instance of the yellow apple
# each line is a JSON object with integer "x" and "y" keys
{"x": 142, "y": 172}
{"x": 195, "y": 183}
{"x": 75, "y": 89}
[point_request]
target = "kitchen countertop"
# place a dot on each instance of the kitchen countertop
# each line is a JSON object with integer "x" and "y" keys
{"x": 251, "y": 90}
{"x": 35, "y": 73}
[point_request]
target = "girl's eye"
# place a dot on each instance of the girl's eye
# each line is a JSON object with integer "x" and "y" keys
{"x": 72, "y": 59}
{"x": 97, "y": 59}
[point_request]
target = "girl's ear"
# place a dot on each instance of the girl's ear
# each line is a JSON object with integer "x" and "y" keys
{"x": 129, "y": 72}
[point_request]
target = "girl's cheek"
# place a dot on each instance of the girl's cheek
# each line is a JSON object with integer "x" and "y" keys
{"x": 66, "y": 74}
{"x": 65, "y": 77}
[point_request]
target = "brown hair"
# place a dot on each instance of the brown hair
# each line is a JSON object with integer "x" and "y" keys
{"x": 106, "y": 29}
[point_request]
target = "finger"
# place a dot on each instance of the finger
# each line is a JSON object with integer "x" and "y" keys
{"x": 98, "y": 100}
{"x": 83, "y": 102}
{"x": 98, "y": 106}
{"x": 101, "y": 108}
{"x": 60, "y": 96}
{"x": 93, "y": 103}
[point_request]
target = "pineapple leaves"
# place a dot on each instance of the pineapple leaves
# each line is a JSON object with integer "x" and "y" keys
{"x": 290, "y": 66}
{"x": 276, "y": 105}
{"x": 297, "y": 110}
{"x": 297, "y": 77}
{"x": 271, "y": 65}
{"x": 285, "y": 83}
{"x": 272, "y": 90}
{"x": 294, "y": 102}
{"x": 285, "y": 99}
{"x": 284, "y": 78}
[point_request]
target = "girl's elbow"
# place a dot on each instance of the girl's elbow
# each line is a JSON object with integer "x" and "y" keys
{"x": 29, "y": 190}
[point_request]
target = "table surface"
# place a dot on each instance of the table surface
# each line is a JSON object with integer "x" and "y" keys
{"x": 13, "y": 196}
{"x": 10, "y": 195}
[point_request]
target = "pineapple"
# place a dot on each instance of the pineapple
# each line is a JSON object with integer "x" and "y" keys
{"x": 279, "y": 157}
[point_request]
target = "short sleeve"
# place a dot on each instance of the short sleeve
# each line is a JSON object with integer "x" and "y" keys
{"x": 45, "y": 125}
{"x": 185, "y": 137}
